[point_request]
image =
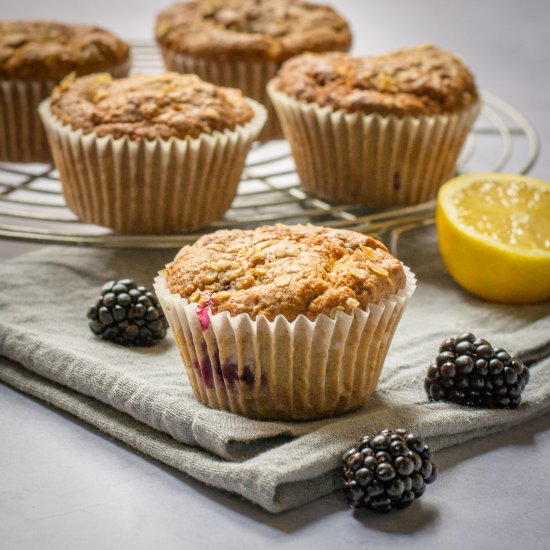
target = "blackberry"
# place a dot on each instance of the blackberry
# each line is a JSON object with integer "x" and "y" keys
{"x": 387, "y": 470}
{"x": 127, "y": 314}
{"x": 469, "y": 371}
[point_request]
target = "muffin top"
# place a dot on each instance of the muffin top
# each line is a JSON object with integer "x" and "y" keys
{"x": 45, "y": 50}
{"x": 412, "y": 81}
{"x": 169, "y": 105}
{"x": 287, "y": 270}
{"x": 251, "y": 29}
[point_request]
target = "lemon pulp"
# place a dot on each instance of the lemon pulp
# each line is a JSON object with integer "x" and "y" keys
{"x": 513, "y": 213}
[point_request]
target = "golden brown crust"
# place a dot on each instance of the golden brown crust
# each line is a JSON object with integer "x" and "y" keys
{"x": 45, "y": 50}
{"x": 251, "y": 29}
{"x": 164, "y": 106}
{"x": 412, "y": 81}
{"x": 287, "y": 270}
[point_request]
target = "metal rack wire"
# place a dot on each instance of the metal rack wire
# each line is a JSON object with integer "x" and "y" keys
{"x": 32, "y": 206}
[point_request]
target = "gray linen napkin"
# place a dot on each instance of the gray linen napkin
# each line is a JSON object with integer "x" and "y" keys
{"x": 141, "y": 395}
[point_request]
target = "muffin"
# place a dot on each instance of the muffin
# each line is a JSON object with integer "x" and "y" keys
{"x": 34, "y": 57}
{"x": 149, "y": 154}
{"x": 242, "y": 43}
{"x": 284, "y": 322}
{"x": 381, "y": 131}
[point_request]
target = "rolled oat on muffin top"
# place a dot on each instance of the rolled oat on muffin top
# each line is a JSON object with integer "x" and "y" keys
{"x": 46, "y": 50}
{"x": 169, "y": 105}
{"x": 423, "y": 80}
{"x": 287, "y": 270}
{"x": 251, "y": 29}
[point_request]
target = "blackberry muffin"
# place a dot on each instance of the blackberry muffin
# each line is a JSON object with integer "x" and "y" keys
{"x": 149, "y": 154}
{"x": 242, "y": 43}
{"x": 381, "y": 131}
{"x": 34, "y": 57}
{"x": 284, "y": 322}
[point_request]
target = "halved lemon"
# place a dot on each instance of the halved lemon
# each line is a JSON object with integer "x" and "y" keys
{"x": 494, "y": 235}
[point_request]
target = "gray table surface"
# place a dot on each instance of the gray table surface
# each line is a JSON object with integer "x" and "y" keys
{"x": 64, "y": 485}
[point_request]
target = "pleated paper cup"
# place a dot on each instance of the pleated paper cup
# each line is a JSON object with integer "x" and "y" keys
{"x": 371, "y": 159}
{"x": 279, "y": 369}
{"x": 249, "y": 76}
{"x": 22, "y": 136}
{"x": 150, "y": 186}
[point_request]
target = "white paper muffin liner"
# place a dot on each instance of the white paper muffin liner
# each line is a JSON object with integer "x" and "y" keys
{"x": 249, "y": 76}
{"x": 279, "y": 369}
{"x": 371, "y": 159}
{"x": 150, "y": 186}
{"x": 22, "y": 136}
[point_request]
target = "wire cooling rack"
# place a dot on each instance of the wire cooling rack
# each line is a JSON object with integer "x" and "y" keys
{"x": 32, "y": 207}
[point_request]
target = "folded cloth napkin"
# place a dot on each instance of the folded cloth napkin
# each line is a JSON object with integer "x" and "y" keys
{"x": 142, "y": 397}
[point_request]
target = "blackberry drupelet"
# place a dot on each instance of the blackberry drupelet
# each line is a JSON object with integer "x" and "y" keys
{"x": 387, "y": 470}
{"x": 127, "y": 314}
{"x": 469, "y": 371}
